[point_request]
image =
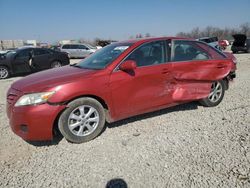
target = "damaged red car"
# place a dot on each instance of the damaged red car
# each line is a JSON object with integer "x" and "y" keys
{"x": 123, "y": 79}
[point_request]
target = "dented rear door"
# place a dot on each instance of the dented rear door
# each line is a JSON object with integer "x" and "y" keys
{"x": 194, "y": 67}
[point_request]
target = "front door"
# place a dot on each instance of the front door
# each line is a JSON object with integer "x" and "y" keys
{"x": 20, "y": 62}
{"x": 147, "y": 87}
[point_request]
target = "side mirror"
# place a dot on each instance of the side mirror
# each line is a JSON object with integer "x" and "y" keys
{"x": 128, "y": 65}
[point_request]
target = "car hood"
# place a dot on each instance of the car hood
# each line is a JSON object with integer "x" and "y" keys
{"x": 240, "y": 37}
{"x": 50, "y": 78}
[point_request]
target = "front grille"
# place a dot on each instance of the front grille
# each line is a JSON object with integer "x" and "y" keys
{"x": 12, "y": 95}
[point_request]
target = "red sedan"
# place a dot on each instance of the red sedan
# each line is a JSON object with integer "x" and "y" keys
{"x": 121, "y": 80}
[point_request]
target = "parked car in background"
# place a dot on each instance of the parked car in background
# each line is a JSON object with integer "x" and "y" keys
{"x": 30, "y": 59}
{"x": 7, "y": 50}
{"x": 212, "y": 41}
{"x": 55, "y": 47}
{"x": 78, "y": 50}
{"x": 241, "y": 43}
{"x": 118, "y": 81}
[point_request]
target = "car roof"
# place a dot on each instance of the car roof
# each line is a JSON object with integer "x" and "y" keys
{"x": 150, "y": 39}
{"x": 207, "y": 37}
{"x": 76, "y": 44}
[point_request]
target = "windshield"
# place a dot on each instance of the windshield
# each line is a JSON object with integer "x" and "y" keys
{"x": 103, "y": 57}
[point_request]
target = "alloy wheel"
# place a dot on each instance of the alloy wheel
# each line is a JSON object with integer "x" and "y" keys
{"x": 83, "y": 120}
{"x": 216, "y": 92}
{"x": 4, "y": 73}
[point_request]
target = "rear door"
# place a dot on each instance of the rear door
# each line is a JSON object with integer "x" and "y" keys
{"x": 83, "y": 51}
{"x": 195, "y": 66}
{"x": 148, "y": 86}
{"x": 41, "y": 59}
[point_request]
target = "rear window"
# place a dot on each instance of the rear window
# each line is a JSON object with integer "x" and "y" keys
{"x": 213, "y": 52}
{"x": 194, "y": 50}
{"x": 66, "y": 46}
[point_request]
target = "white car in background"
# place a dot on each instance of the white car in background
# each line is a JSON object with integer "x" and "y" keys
{"x": 212, "y": 41}
{"x": 78, "y": 50}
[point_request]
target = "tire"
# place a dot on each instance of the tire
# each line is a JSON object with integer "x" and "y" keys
{"x": 234, "y": 52}
{"x": 216, "y": 95}
{"x": 56, "y": 64}
{"x": 4, "y": 72}
{"x": 88, "y": 117}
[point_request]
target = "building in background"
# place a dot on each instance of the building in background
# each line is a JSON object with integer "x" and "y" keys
{"x": 31, "y": 43}
{"x": 9, "y": 44}
{"x": 62, "y": 42}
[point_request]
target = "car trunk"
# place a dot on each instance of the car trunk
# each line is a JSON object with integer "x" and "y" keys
{"x": 239, "y": 40}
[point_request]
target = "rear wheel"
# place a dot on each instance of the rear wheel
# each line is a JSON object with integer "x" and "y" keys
{"x": 4, "y": 72}
{"x": 82, "y": 121}
{"x": 216, "y": 94}
{"x": 56, "y": 64}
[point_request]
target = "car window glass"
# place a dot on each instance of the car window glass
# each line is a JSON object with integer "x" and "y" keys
{"x": 40, "y": 52}
{"x": 24, "y": 53}
{"x": 213, "y": 52}
{"x": 149, "y": 54}
{"x": 104, "y": 56}
{"x": 83, "y": 47}
{"x": 66, "y": 46}
{"x": 74, "y": 46}
{"x": 188, "y": 50}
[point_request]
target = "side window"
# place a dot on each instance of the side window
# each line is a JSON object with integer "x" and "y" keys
{"x": 40, "y": 52}
{"x": 66, "y": 46}
{"x": 24, "y": 54}
{"x": 188, "y": 50}
{"x": 74, "y": 46}
{"x": 83, "y": 47}
{"x": 149, "y": 54}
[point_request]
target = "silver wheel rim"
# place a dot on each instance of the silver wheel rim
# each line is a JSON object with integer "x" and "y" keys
{"x": 3, "y": 73}
{"x": 56, "y": 64}
{"x": 83, "y": 120}
{"x": 216, "y": 92}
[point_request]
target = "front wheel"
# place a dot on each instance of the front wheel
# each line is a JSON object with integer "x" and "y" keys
{"x": 4, "y": 72}
{"x": 216, "y": 94}
{"x": 82, "y": 121}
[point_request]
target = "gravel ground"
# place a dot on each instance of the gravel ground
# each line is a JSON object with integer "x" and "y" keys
{"x": 183, "y": 146}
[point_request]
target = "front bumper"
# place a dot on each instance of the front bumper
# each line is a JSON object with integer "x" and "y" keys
{"x": 33, "y": 123}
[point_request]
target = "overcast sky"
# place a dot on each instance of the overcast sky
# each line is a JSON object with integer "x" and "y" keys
{"x": 52, "y": 20}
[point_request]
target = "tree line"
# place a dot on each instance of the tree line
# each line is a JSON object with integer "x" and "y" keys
{"x": 221, "y": 33}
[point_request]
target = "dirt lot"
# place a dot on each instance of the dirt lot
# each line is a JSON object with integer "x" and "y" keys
{"x": 184, "y": 146}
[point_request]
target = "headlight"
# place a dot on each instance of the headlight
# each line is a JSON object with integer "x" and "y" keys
{"x": 34, "y": 98}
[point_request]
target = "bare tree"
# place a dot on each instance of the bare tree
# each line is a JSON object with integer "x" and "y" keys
{"x": 245, "y": 28}
{"x": 211, "y": 31}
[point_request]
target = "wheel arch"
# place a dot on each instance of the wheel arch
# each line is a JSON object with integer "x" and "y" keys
{"x": 8, "y": 67}
{"x": 226, "y": 83}
{"x": 55, "y": 59}
{"x": 55, "y": 129}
